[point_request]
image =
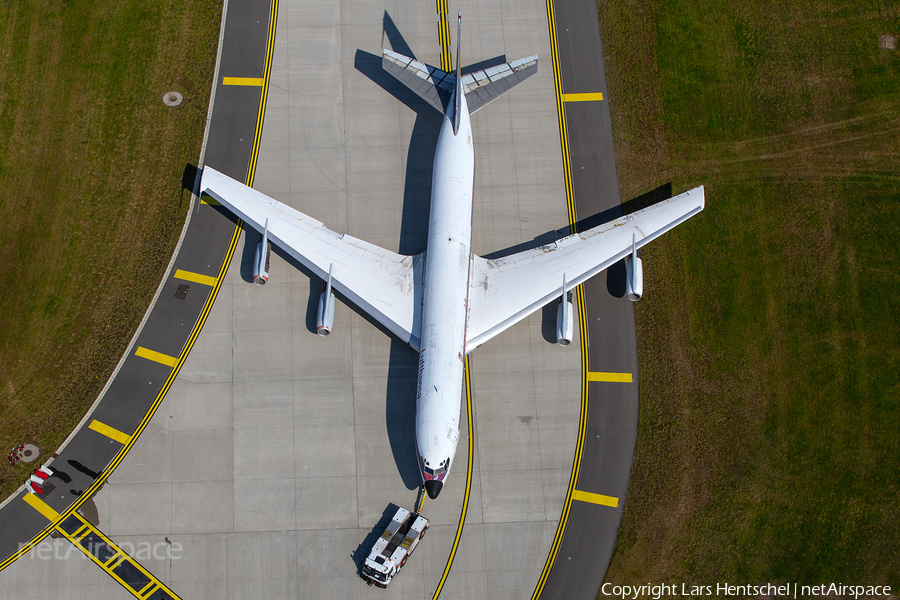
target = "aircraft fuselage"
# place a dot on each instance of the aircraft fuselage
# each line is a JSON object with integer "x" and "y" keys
{"x": 443, "y": 332}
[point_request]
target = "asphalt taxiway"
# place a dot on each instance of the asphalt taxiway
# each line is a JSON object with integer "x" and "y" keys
{"x": 276, "y": 452}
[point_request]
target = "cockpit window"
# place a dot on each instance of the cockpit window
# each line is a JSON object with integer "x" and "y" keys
{"x": 445, "y": 464}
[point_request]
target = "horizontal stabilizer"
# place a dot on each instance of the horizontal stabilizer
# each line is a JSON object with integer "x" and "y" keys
{"x": 431, "y": 84}
{"x": 436, "y": 86}
{"x": 482, "y": 87}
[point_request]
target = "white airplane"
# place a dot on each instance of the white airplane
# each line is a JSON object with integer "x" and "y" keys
{"x": 446, "y": 301}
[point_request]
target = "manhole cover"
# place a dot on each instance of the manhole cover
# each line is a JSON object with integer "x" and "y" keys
{"x": 172, "y": 98}
{"x": 888, "y": 42}
{"x": 30, "y": 453}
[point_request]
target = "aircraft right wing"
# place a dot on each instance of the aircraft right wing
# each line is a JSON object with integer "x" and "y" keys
{"x": 504, "y": 291}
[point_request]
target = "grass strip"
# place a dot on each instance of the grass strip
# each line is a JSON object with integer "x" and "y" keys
{"x": 91, "y": 165}
{"x": 769, "y": 425}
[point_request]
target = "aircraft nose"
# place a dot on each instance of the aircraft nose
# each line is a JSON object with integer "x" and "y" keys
{"x": 433, "y": 487}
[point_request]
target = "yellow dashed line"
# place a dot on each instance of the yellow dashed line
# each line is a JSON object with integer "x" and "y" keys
{"x": 465, "y": 506}
{"x": 159, "y": 357}
{"x": 595, "y": 97}
{"x": 267, "y": 71}
{"x": 41, "y": 506}
{"x": 595, "y": 498}
{"x": 195, "y": 277}
{"x": 110, "y": 432}
{"x": 613, "y": 377}
{"x": 251, "y": 81}
{"x": 447, "y": 65}
{"x": 585, "y": 351}
{"x": 444, "y": 36}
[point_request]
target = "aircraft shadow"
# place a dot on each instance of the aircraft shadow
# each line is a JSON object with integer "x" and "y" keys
{"x": 400, "y": 396}
{"x": 252, "y": 238}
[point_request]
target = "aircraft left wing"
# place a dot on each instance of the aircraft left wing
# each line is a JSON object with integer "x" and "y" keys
{"x": 384, "y": 284}
{"x": 504, "y": 291}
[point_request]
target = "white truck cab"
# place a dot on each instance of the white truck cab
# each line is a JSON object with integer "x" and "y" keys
{"x": 396, "y": 543}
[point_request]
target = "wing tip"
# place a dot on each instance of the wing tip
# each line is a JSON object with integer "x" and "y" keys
{"x": 702, "y": 190}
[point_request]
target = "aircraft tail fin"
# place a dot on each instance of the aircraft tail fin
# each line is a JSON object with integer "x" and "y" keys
{"x": 457, "y": 92}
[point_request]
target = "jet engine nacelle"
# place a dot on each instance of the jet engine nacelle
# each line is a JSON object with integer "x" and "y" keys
{"x": 325, "y": 312}
{"x": 261, "y": 259}
{"x": 564, "y": 317}
{"x": 634, "y": 277}
{"x": 261, "y": 263}
{"x": 564, "y": 322}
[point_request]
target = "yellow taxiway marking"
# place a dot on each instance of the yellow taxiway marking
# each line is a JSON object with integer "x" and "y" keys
{"x": 195, "y": 277}
{"x": 252, "y": 81}
{"x": 594, "y": 97}
{"x": 194, "y": 333}
{"x": 444, "y": 36}
{"x": 113, "y": 564}
{"x": 159, "y": 357}
{"x": 145, "y": 591}
{"x": 41, "y": 506}
{"x": 570, "y": 204}
{"x": 595, "y": 498}
{"x": 614, "y": 377}
{"x": 204, "y": 199}
{"x": 113, "y": 434}
{"x": 80, "y": 533}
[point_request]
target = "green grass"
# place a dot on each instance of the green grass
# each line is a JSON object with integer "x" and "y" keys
{"x": 91, "y": 164}
{"x": 769, "y": 435}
